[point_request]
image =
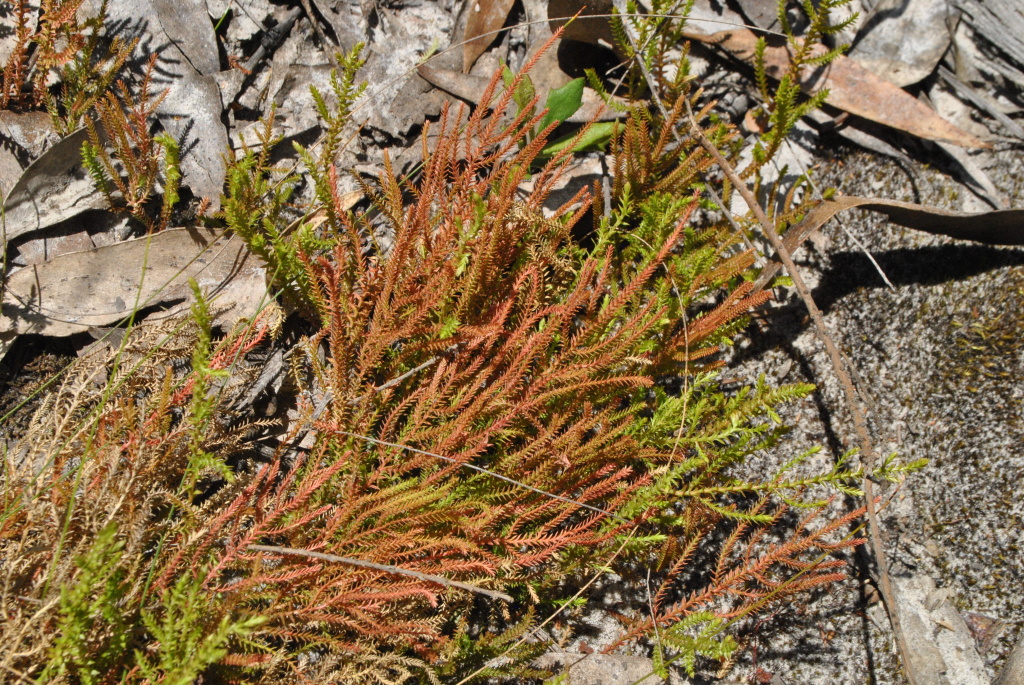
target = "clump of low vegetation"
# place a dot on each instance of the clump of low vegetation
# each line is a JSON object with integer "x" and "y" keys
{"x": 483, "y": 407}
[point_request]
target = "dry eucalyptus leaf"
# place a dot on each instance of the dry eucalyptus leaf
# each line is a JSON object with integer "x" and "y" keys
{"x": 53, "y": 188}
{"x": 78, "y": 234}
{"x": 761, "y": 13}
{"x": 1000, "y": 227}
{"x": 31, "y": 132}
{"x": 484, "y": 19}
{"x": 192, "y": 108}
{"x": 708, "y": 16}
{"x": 851, "y": 88}
{"x": 348, "y": 20}
{"x": 884, "y": 49}
{"x": 463, "y": 86}
{"x": 54, "y": 243}
{"x": 191, "y": 113}
{"x": 397, "y": 100}
{"x": 187, "y": 25}
{"x": 10, "y": 170}
{"x": 596, "y": 30}
{"x": 81, "y": 290}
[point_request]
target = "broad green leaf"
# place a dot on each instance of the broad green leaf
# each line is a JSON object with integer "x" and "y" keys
{"x": 524, "y": 93}
{"x": 562, "y": 103}
{"x": 595, "y": 138}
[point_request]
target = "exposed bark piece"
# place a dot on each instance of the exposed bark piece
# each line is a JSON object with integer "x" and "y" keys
{"x": 982, "y": 101}
{"x": 1001, "y": 23}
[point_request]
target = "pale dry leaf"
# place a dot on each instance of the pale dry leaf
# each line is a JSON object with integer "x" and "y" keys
{"x": 191, "y": 113}
{"x": 53, "y": 188}
{"x": 31, "y": 133}
{"x": 596, "y": 30}
{"x": 761, "y": 13}
{"x": 81, "y": 290}
{"x": 84, "y": 232}
{"x": 348, "y": 20}
{"x": 882, "y": 46}
{"x": 186, "y": 24}
{"x": 463, "y": 86}
{"x": 191, "y": 109}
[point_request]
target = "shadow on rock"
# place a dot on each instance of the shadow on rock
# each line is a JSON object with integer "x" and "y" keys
{"x": 850, "y": 271}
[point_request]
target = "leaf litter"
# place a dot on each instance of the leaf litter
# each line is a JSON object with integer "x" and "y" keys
{"x": 79, "y": 291}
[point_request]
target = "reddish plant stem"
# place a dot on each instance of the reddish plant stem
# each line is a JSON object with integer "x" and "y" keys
{"x": 849, "y": 390}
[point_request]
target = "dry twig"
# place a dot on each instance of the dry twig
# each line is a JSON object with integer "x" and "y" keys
{"x": 849, "y": 390}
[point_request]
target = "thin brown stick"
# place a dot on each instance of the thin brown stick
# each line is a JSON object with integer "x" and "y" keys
{"x": 395, "y": 381}
{"x": 835, "y": 356}
{"x": 849, "y": 390}
{"x": 386, "y": 568}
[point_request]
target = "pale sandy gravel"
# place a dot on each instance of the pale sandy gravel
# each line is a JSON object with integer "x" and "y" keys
{"x": 960, "y": 521}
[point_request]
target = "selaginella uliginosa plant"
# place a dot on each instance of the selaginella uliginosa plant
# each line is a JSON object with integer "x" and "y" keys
{"x": 486, "y": 395}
